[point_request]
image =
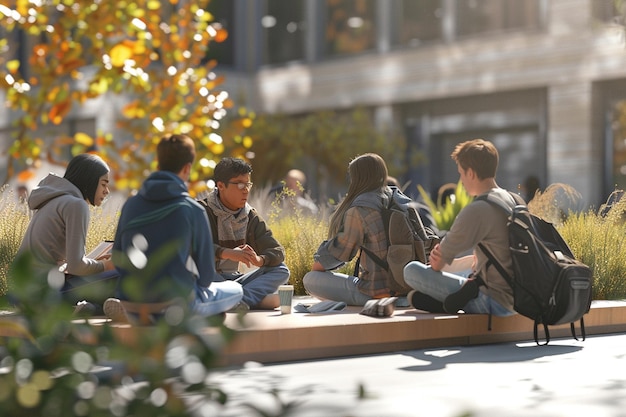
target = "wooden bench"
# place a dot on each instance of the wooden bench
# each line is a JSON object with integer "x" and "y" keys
{"x": 271, "y": 337}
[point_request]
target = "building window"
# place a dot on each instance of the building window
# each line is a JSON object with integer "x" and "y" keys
{"x": 618, "y": 178}
{"x": 350, "y": 26}
{"x": 419, "y": 22}
{"x": 611, "y": 115}
{"x": 481, "y": 16}
{"x": 284, "y": 29}
{"x": 513, "y": 121}
{"x": 608, "y": 11}
{"x": 224, "y": 51}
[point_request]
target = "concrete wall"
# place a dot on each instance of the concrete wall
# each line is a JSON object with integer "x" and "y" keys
{"x": 566, "y": 59}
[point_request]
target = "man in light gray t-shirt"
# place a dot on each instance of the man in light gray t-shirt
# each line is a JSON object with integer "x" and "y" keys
{"x": 478, "y": 222}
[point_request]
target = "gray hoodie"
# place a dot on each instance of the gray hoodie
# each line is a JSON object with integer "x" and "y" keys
{"x": 57, "y": 231}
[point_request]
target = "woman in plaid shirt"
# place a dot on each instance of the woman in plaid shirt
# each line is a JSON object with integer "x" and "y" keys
{"x": 356, "y": 223}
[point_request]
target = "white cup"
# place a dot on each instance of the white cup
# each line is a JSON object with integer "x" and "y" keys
{"x": 285, "y": 294}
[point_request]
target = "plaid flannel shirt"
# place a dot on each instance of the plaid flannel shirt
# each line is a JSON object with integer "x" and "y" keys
{"x": 362, "y": 226}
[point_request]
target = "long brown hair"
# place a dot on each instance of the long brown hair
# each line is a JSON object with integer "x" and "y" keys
{"x": 368, "y": 172}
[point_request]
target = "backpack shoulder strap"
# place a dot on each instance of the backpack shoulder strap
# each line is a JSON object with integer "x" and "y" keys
{"x": 386, "y": 205}
{"x": 498, "y": 265}
{"x": 385, "y": 217}
{"x": 497, "y": 200}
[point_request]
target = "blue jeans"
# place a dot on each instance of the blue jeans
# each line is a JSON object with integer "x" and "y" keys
{"x": 259, "y": 283}
{"x": 218, "y": 298}
{"x": 327, "y": 285}
{"x": 440, "y": 284}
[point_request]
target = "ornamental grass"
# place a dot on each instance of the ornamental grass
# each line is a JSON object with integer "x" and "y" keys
{"x": 595, "y": 239}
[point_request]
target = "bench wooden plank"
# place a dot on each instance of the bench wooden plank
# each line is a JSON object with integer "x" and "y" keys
{"x": 270, "y": 337}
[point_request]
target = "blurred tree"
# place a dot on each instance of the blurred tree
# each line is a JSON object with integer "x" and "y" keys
{"x": 151, "y": 52}
{"x": 330, "y": 139}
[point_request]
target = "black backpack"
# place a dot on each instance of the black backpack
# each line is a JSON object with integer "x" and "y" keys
{"x": 408, "y": 240}
{"x": 549, "y": 285}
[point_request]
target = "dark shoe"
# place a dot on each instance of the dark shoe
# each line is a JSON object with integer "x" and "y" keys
{"x": 421, "y": 301}
{"x": 327, "y": 306}
{"x": 457, "y": 300}
{"x": 379, "y": 307}
{"x": 84, "y": 309}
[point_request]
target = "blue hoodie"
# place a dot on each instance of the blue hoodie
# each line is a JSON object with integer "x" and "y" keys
{"x": 163, "y": 242}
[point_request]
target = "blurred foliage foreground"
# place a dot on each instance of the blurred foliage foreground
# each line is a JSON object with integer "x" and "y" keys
{"x": 52, "y": 364}
{"x": 55, "y": 364}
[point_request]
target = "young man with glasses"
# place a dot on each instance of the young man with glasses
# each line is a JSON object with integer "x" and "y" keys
{"x": 242, "y": 238}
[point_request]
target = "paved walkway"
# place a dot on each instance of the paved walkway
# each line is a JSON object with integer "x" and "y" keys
{"x": 565, "y": 378}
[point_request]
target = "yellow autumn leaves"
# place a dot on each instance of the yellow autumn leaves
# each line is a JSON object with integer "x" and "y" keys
{"x": 151, "y": 52}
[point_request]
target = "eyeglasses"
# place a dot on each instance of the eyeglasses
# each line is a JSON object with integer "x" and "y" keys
{"x": 242, "y": 185}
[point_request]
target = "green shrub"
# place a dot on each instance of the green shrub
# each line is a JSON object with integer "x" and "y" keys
{"x": 300, "y": 233}
{"x": 445, "y": 213}
{"x": 595, "y": 240}
{"x": 556, "y": 202}
{"x": 599, "y": 243}
{"x": 102, "y": 226}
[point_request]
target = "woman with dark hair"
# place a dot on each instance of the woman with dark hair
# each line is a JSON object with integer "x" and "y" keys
{"x": 356, "y": 223}
{"x": 56, "y": 235}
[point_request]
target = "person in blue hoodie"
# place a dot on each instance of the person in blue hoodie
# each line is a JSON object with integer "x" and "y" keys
{"x": 163, "y": 248}
{"x": 356, "y": 223}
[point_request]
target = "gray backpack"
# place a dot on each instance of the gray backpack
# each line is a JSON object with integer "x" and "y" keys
{"x": 408, "y": 241}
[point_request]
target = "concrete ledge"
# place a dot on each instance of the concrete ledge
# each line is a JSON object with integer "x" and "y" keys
{"x": 271, "y": 337}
